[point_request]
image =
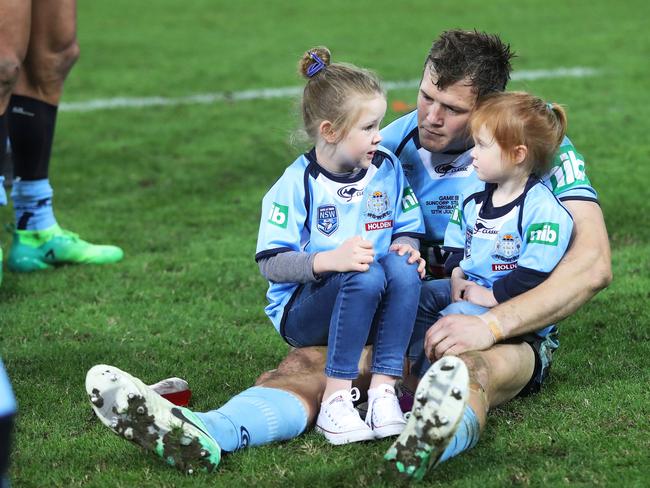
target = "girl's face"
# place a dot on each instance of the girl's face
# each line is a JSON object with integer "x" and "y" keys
{"x": 490, "y": 162}
{"x": 358, "y": 147}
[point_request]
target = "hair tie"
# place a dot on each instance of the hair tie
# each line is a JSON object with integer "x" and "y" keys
{"x": 316, "y": 67}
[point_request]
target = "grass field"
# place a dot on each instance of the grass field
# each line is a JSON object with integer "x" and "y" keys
{"x": 179, "y": 187}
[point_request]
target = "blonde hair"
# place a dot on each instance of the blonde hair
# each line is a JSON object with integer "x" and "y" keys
{"x": 331, "y": 91}
{"x": 519, "y": 118}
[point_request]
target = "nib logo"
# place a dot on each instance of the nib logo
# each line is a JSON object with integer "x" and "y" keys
{"x": 543, "y": 233}
{"x": 279, "y": 215}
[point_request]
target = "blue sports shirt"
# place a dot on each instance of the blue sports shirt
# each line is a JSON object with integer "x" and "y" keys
{"x": 441, "y": 181}
{"x": 310, "y": 209}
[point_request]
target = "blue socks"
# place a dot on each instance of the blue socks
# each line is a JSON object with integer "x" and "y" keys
{"x": 33, "y": 204}
{"x": 256, "y": 416}
{"x": 466, "y": 435}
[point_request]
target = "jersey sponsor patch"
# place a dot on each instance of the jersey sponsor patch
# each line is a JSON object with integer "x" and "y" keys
{"x": 409, "y": 200}
{"x": 504, "y": 266}
{"x": 456, "y": 216}
{"x": 568, "y": 170}
{"x": 384, "y": 224}
{"x": 547, "y": 233}
{"x": 279, "y": 215}
{"x": 507, "y": 248}
{"x": 328, "y": 219}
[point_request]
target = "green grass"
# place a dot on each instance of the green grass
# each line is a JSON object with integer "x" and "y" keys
{"x": 180, "y": 188}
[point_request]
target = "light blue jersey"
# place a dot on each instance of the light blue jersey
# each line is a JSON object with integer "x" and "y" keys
{"x": 512, "y": 248}
{"x": 442, "y": 180}
{"x": 7, "y": 400}
{"x": 309, "y": 209}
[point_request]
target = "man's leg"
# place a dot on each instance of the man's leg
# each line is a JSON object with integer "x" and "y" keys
{"x": 39, "y": 242}
{"x": 15, "y": 21}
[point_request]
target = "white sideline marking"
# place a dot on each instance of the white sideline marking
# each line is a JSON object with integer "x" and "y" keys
{"x": 289, "y": 91}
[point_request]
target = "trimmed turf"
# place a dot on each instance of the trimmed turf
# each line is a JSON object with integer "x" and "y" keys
{"x": 180, "y": 189}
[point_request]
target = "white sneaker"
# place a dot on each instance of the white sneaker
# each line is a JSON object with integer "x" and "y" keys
{"x": 384, "y": 416}
{"x": 339, "y": 422}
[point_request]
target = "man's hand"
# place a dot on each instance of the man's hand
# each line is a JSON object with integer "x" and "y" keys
{"x": 415, "y": 256}
{"x": 455, "y": 334}
{"x": 479, "y": 295}
{"x": 355, "y": 254}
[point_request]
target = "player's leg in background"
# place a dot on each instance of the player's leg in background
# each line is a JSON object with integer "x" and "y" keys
{"x": 15, "y": 22}
{"x": 52, "y": 51}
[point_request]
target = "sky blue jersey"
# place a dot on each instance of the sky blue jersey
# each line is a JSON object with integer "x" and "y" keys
{"x": 7, "y": 400}
{"x": 442, "y": 180}
{"x": 512, "y": 248}
{"x": 310, "y": 209}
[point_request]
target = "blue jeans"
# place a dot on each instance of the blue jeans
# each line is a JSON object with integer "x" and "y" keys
{"x": 435, "y": 302}
{"x": 346, "y": 311}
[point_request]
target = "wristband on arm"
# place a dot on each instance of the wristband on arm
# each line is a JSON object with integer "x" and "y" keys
{"x": 493, "y": 324}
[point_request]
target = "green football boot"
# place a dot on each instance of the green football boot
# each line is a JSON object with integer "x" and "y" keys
{"x": 33, "y": 250}
{"x": 438, "y": 408}
{"x": 137, "y": 413}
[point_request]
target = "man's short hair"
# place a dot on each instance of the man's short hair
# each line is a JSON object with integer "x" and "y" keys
{"x": 478, "y": 56}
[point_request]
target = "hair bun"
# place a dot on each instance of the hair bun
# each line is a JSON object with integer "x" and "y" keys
{"x": 310, "y": 63}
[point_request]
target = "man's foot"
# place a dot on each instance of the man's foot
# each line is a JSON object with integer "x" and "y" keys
{"x": 339, "y": 422}
{"x": 384, "y": 416}
{"x": 438, "y": 409}
{"x": 176, "y": 390}
{"x": 34, "y": 250}
{"x": 134, "y": 411}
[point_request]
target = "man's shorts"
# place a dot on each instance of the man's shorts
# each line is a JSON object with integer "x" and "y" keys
{"x": 543, "y": 348}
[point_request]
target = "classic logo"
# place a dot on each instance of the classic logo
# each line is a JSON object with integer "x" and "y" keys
{"x": 507, "y": 248}
{"x": 449, "y": 168}
{"x": 328, "y": 219}
{"x": 543, "y": 233}
{"x": 279, "y": 215}
{"x": 481, "y": 227}
{"x": 409, "y": 200}
{"x": 348, "y": 192}
{"x": 378, "y": 205}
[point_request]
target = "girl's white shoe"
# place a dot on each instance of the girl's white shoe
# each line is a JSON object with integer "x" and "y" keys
{"x": 339, "y": 422}
{"x": 384, "y": 416}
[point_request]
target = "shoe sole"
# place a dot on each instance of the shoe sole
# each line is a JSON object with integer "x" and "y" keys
{"x": 135, "y": 412}
{"x": 438, "y": 408}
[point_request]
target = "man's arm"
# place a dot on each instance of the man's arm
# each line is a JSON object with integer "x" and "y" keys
{"x": 583, "y": 272}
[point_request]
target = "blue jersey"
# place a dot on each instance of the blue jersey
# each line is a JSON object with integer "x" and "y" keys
{"x": 511, "y": 248}
{"x": 309, "y": 209}
{"x": 442, "y": 180}
{"x": 7, "y": 400}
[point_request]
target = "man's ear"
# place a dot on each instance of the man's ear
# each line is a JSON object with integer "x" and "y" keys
{"x": 519, "y": 153}
{"x": 327, "y": 132}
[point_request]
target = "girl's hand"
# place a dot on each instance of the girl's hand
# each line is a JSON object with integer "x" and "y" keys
{"x": 459, "y": 284}
{"x": 355, "y": 254}
{"x": 415, "y": 256}
{"x": 479, "y": 295}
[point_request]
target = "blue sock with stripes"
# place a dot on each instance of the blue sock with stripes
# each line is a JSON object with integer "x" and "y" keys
{"x": 466, "y": 435}
{"x": 256, "y": 416}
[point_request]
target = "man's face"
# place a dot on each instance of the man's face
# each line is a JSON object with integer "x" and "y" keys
{"x": 443, "y": 115}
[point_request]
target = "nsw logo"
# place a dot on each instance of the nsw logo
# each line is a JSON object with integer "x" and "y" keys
{"x": 328, "y": 219}
{"x": 547, "y": 233}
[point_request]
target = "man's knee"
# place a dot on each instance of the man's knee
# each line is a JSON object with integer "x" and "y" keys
{"x": 51, "y": 67}
{"x": 478, "y": 368}
{"x": 9, "y": 69}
